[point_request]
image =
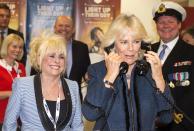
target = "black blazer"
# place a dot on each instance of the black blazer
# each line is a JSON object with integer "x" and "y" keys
{"x": 180, "y": 62}
{"x": 11, "y": 31}
{"x": 81, "y": 61}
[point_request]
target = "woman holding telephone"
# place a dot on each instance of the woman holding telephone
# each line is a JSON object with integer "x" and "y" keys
{"x": 126, "y": 101}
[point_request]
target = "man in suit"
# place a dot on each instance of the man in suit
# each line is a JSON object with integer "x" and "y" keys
{"x": 177, "y": 58}
{"x": 5, "y": 15}
{"x": 77, "y": 52}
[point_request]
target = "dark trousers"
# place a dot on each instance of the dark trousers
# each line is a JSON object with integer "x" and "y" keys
{"x": 1, "y": 124}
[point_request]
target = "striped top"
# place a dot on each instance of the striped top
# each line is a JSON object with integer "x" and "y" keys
{"x": 23, "y": 103}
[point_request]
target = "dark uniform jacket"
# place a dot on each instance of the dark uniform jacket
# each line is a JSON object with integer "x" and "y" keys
{"x": 178, "y": 71}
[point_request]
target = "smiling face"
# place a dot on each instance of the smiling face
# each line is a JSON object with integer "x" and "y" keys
{"x": 64, "y": 27}
{"x": 14, "y": 50}
{"x": 128, "y": 46}
{"x": 168, "y": 28}
{"x": 53, "y": 64}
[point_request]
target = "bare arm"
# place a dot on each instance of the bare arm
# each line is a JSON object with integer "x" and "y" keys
{"x": 5, "y": 94}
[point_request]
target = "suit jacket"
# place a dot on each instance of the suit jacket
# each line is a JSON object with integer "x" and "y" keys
{"x": 11, "y": 31}
{"x": 80, "y": 62}
{"x": 137, "y": 108}
{"x": 22, "y": 104}
{"x": 178, "y": 71}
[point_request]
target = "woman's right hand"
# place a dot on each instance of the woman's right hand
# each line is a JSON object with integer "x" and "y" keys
{"x": 112, "y": 61}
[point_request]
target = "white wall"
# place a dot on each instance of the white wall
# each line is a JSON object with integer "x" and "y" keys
{"x": 143, "y": 10}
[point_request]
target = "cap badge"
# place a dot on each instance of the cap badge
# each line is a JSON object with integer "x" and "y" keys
{"x": 178, "y": 117}
{"x": 161, "y": 9}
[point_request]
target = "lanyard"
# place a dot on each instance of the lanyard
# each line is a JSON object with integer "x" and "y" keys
{"x": 56, "y": 112}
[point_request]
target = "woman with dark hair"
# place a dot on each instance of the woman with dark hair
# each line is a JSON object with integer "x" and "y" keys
{"x": 96, "y": 35}
{"x": 188, "y": 35}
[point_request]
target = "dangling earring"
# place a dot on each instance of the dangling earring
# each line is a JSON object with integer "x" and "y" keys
{"x": 141, "y": 54}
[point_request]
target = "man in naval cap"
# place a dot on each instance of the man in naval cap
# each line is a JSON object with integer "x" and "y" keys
{"x": 178, "y": 62}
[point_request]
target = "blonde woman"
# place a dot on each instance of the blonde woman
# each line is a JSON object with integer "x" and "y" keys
{"x": 45, "y": 101}
{"x": 126, "y": 102}
{"x": 11, "y": 52}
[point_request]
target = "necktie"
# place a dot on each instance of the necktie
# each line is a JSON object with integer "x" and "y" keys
{"x": 161, "y": 55}
{"x": 2, "y": 35}
{"x": 1, "y": 38}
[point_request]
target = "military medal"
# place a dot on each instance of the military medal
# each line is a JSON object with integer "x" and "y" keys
{"x": 183, "y": 63}
{"x": 171, "y": 84}
{"x": 185, "y": 83}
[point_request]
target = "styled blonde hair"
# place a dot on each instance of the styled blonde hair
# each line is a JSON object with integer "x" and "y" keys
{"x": 122, "y": 23}
{"x": 9, "y": 40}
{"x": 44, "y": 44}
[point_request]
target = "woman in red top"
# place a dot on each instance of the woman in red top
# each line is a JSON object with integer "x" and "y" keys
{"x": 11, "y": 51}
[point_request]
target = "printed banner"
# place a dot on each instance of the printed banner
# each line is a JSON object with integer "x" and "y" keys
{"x": 41, "y": 15}
{"x": 14, "y": 7}
{"x": 92, "y": 19}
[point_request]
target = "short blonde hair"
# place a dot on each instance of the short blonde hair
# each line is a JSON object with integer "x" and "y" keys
{"x": 120, "y": 24}
{"x": 43, "y": 45}
{"x": 9, "y": 40}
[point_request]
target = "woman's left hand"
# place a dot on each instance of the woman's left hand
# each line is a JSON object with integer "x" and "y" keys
{"x": 156, "y": 67}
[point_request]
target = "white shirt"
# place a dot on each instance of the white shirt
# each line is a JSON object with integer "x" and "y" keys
{"x": 4, "y": 64}
{"x": 5, "y": 32}
{"x": 170, "y": 45}
{"x": 69, "y": 60}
